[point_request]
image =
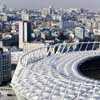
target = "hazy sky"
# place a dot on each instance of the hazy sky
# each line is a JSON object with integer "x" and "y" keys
{"x": 92, "y": 4}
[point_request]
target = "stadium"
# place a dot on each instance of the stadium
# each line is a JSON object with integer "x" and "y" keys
{"x": 59, "y": 72}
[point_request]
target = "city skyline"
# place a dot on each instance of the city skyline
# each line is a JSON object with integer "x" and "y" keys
{"x": 57, "y": 4}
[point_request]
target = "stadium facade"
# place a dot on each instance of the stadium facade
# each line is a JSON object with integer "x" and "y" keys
{"x": 51, "y": 73}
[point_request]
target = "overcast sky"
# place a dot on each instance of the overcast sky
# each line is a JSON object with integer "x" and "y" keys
{"x": 92, "y": 4}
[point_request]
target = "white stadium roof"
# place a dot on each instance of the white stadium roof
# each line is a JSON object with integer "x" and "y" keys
{"x": 50, "y": 73}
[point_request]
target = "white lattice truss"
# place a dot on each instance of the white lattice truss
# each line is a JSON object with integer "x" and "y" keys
{"x": 50, "y": 73}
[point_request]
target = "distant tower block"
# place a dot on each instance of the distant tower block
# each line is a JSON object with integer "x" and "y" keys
{"x": 25, "y": 15}
{"x": 3, "y": 6}
{"x": 25, "y": 30}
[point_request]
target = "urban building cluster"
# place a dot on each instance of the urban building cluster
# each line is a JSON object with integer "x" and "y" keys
{"x": 47, "y": 25}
